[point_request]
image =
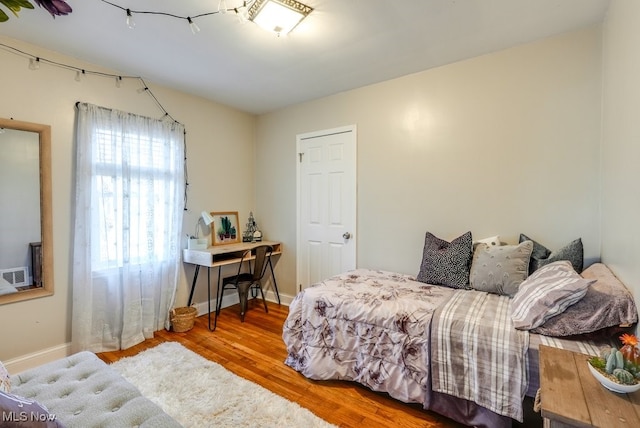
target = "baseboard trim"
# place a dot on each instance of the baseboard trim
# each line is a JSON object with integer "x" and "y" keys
{"x": 35, "y": 359}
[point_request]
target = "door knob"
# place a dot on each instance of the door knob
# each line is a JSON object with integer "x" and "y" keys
{"x": 346, "y": 235}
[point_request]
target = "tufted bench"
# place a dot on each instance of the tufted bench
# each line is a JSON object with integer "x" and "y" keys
{"x": 83, "y": 391}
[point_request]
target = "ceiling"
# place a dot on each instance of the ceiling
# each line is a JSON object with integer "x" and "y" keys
{"x": 341, "y": 45}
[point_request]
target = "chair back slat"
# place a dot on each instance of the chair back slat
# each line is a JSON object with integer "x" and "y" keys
{"x": 246, "y": 257}
{"x": 263, "y": 253}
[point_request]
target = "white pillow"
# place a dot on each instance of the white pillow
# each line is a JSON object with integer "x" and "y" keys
{"x": 490, "y": 241}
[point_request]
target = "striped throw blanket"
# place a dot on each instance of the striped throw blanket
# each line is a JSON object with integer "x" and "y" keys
{"x": 477, "y": 354}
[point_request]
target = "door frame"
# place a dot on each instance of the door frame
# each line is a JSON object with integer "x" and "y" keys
{"x": 299, "y": 139}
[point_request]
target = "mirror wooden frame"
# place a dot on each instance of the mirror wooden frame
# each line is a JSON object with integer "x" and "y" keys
{"x": 46, "y": 222}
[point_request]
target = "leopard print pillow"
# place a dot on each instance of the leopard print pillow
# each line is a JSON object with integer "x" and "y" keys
{"x": 446, "y": 263}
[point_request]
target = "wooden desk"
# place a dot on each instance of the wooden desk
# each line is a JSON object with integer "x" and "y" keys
{"x": 224, "y": 255}
{"x": 572, "y": 397}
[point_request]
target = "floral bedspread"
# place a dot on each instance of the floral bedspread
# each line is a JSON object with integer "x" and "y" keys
{"x": 372, "y": 327}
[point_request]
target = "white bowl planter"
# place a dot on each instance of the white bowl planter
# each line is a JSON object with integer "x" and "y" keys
{"x": 611, "y": 385}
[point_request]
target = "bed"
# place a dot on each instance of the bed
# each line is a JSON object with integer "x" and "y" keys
{"x": 456, "y": 351}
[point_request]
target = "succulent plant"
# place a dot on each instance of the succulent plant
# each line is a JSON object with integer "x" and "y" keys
{"x": 624, "y": 377}
{"x": 620, "y": 365}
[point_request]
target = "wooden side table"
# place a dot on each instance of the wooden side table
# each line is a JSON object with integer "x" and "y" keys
{"x": 571, "y": 397}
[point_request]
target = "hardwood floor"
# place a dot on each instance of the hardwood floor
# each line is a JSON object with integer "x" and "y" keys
{"x": 255, "y": 351}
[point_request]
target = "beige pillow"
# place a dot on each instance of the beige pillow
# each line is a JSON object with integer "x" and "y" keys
{"x": 500, "y": 269}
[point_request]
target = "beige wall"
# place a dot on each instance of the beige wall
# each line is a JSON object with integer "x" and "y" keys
{"x": 621, "y": 142}
{"x": 500, "y": 144}
{"x": 220, "y": 150}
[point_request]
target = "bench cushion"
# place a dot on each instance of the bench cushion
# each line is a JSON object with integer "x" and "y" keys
{"x": 83, "y": 391}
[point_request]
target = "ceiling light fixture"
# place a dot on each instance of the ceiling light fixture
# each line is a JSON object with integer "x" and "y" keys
{"x": 278, "y": 16}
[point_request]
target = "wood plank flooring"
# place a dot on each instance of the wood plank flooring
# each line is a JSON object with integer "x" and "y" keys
{"x": 255, "y": 351}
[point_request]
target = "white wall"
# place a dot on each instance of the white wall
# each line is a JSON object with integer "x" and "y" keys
{"x": 220, "y": 150}
{"x": 500, "y": 144}
{"x": 621, "y": 143}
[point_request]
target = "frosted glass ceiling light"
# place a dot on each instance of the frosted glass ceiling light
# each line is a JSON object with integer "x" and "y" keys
{"x": 279, "y": 16}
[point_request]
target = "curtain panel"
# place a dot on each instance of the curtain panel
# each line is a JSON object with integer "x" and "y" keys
{"x": 128, "y": 225}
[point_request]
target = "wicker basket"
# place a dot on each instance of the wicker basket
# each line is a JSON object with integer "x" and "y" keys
{"x": 182, "y": 319}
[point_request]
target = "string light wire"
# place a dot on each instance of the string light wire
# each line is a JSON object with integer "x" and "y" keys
{"x": 33, "y": 59}
{"x": 131, "y": 12}
{"x": 83, "y": 72}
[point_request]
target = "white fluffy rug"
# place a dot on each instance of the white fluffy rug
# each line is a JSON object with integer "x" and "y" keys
{"x": 200, "y": 393}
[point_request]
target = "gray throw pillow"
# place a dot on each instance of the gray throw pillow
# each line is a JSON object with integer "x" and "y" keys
{"x": 608, "y": 303}
{"x": 501, "y": 269}
{"x": 549, "y": 291}
{"x": 541, "y": 256}
{"x": 446, "y": 263}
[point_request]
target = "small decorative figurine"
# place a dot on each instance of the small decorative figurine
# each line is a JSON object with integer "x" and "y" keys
{"x": 251, "y": 228}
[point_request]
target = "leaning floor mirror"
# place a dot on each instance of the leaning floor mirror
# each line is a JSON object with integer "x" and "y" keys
{"x": 26, "y": 247}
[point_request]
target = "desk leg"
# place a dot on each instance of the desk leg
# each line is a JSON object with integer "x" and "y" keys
{"x": 209, "y": 297}
{"x": 275, "y": 284}
{"x": 193, "y": 284}
{"x": 219, "y": 293}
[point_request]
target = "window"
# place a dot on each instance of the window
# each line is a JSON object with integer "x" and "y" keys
{"x": 128, "y": 227}
{"x": 132, "y": 206}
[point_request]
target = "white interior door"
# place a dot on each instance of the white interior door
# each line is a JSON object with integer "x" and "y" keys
{"x": 326, "y": 204}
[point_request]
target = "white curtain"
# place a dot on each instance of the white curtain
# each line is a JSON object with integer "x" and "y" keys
{"x": 128, "y": 225}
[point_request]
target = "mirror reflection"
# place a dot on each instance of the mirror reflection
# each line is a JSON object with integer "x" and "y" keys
{"x": 25, "y": 209}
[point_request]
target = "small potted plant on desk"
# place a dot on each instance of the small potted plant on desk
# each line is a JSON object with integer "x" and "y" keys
{"x": 619, "y": 369}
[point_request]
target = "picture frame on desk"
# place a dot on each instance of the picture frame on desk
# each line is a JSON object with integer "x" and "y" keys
{"x": 225, "y": 228}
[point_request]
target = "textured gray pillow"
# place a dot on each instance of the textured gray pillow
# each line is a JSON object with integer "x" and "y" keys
{"x": 500, "y": 269}
{"x": 446, "y": 263}
{"x": 546, "y": 293}
{"x": 541, "y": 255}
{"x": 608, "y": 303}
